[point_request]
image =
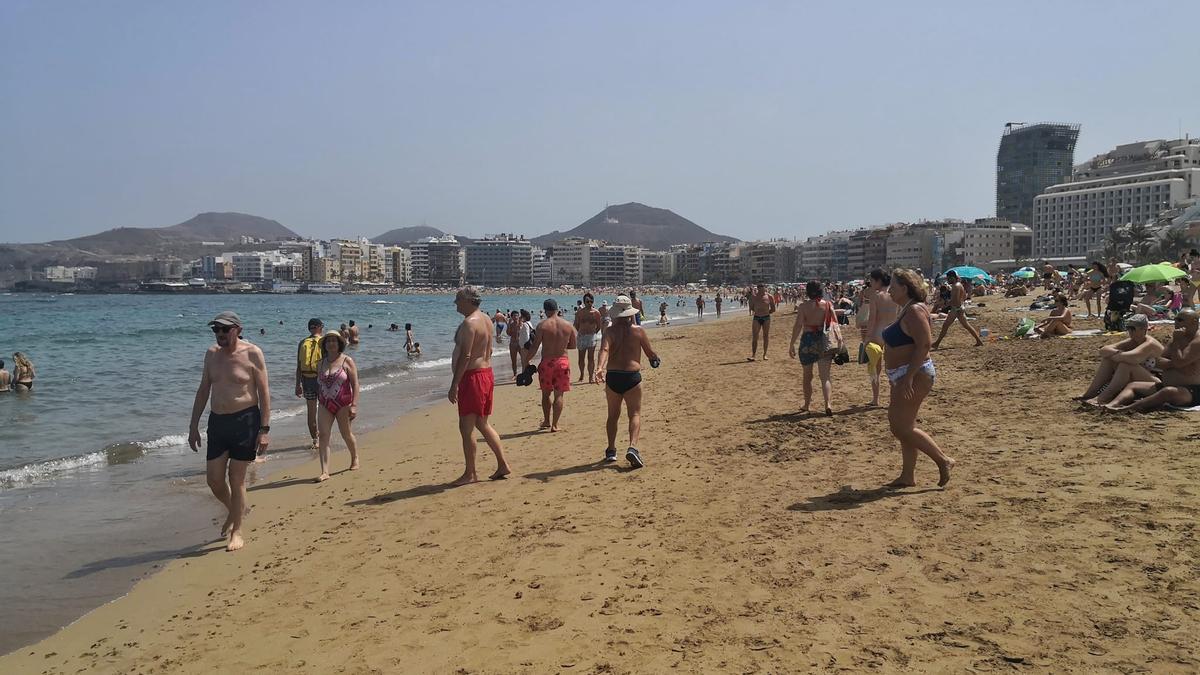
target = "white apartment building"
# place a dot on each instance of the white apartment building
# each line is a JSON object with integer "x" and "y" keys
{"x": 914, "y": 248}
{"x": 542, "y": 267}
{"x": 398, "y": 265}
{"x": 826, "y": 256}
{"x": 1131, "y": 184}
{"x": 499, "y": 261}
{"x": 991, "y": 239}
{"x": 572, "y": 261}
{"x": 251, "y": 267}
{"x": 437, "y": 261}
{"x": 615, "y": 265}
{"x": 60, "y": 274}
{"x": 657, "y": 266}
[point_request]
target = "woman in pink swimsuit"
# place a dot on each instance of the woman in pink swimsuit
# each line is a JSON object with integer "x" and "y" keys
{"x": 337, "y": 394}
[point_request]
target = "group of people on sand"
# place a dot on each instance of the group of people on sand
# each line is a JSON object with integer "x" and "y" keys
{"x": 1140, "y": 374}
{"x": 20, "y": 379}
{"x": 897, "y": 336}
{"x": 618, "y": 366}
{"x": 234, "y": 386}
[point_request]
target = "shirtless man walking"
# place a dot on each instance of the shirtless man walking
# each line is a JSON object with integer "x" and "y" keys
{"x": 620, "y": 369}
{"x": 955, "y": 311}
{"x": 554, "y": 336}
{"x": 587, "y": 325}
{"x": 762, "y": 306}
{"x": 234, "y": 386}
{"x": 1180, "y": 365}
{"x": 473, "y": 383}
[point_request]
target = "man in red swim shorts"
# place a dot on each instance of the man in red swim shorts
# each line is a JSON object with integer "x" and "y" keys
{"x": 472, "y": 385}
{"x": 554, "y": 335}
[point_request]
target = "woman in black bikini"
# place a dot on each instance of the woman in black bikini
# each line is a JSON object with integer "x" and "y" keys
{"x": 23, "y": 373}
{"x": 1097, "y": 279}
{"x": 911, "y": 373}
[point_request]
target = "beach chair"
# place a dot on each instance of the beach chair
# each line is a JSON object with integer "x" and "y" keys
{"x": 1120, "y": 299}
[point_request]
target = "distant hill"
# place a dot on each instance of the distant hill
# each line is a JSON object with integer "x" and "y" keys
{"x": 226, "y": 227}
{"x": 229, "y": 227}
{"x": 638, "y": 225}
{"x": 407, "y": 235}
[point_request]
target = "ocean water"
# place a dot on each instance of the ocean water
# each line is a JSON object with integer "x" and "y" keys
{"x": 97, "y": 484}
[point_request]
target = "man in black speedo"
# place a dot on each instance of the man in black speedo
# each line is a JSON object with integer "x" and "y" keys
{"x": 619, "y": 367}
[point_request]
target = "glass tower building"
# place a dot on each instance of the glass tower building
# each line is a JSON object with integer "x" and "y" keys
{"x": 1032, "y": 157}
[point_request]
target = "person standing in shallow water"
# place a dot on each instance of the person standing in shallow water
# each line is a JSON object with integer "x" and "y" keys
{"x": 308, "y": 358}
{"x": 472, "y": 385}
{"x": 234, "y": 385}
{"x": 911, "y": 373}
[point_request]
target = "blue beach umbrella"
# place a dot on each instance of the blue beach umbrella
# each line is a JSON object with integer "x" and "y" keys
{"x": 973, "y": 273}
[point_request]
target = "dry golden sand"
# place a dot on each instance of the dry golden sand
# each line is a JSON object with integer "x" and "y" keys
{"x": 756, "y": 539}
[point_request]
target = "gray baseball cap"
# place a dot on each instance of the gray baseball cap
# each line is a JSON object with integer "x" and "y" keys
{"x": 227, "y": 319}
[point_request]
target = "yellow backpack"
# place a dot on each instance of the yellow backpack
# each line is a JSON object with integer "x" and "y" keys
{"x": 310, "y": 355}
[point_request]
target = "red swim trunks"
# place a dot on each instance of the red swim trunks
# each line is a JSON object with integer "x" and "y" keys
{"x": 555, "y": 374}
{"x": 475, "y": 392}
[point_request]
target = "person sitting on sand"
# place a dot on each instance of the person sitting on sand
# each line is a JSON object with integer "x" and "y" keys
{"x": 911, "y": 374}
{"x": 555, "y": 335}
{"x": 472, "y": 385}
{"x": 619, "y": 368}
{"x": 956, "y": 312}
{"x": 1156, "y": 301}
{"x": 1059, "y": 321}
{"x": 337, "y": 394}
{"x": 1180, "y": 366}
{"x": 1016, "y": 290}
{"x": 1130, "y": 360}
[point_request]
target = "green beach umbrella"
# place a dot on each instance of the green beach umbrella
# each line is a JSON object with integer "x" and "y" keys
{"x": 1153, "y": 274}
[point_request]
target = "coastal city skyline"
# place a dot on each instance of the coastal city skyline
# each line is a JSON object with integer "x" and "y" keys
{"x": 749, "y": 136}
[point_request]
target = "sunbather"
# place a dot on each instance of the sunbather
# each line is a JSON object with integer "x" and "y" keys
{"x": 1130, "y": 360}
{"x": 1059, "y": 321}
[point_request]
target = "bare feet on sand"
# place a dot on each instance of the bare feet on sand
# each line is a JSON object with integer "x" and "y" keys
{"x": 500, "y": 474}
{"x": 898, "y": 483}
{"x": 544, "y": 425}
{"x": 322, "y": 478}
{"x": 235, "y": 541}
{"x": 465, "y": 479}
{"x": 944, "y": 471}
{"x": 354, "y": 465}
{"x": 228, "y": 524}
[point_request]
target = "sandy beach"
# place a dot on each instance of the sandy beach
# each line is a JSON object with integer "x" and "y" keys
{"x": 756, "y": 539}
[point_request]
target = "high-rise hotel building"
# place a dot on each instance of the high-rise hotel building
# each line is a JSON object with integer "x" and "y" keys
{"x": 1032, "y": 157}
{"x": 1131, "y": 184}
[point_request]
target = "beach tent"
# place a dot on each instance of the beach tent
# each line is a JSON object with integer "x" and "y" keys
{"x": 1153, "y": 273}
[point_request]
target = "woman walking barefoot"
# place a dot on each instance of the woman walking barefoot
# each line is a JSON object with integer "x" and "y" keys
{"x": 813, "y": 318}
{"x": 337, "y": 394}
{"x": 906, "y": 345}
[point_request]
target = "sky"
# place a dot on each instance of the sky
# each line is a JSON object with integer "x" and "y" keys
{"x": 753, "y": 119}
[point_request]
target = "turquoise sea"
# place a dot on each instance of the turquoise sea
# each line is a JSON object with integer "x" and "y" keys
{"x": 97, "y": 486}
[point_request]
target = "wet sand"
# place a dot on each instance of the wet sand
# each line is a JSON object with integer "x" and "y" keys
{"x": 756, "y": 538}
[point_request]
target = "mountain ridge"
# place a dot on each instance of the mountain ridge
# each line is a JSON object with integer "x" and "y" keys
{"x": 637, "y": 224}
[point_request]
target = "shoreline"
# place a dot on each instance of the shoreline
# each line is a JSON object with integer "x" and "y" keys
{"x": 755, "y": 538}
{"x": 290, "y": 456}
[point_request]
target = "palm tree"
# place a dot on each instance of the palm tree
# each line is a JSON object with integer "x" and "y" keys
{"x": 1140, "y": 240}
{"x": 1115, "y": 243}
{"x": 1175, "y": 243}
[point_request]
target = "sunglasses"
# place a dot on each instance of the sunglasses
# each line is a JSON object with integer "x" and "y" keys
{"x": 222, "y": 329}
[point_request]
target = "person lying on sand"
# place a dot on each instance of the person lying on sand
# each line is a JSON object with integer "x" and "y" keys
{"x": 1130, "y": 360}
{"x": 1059, "y": 321}
{"x": 1016, "y": 290}
{"x": 1180, "y": 366}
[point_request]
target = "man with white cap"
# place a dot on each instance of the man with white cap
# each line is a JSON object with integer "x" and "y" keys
{"x": 619, "y": 368}
{"x": 234, "y": 386}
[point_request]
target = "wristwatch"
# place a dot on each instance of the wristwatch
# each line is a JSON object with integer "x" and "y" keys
{"x": 265, "y": 429}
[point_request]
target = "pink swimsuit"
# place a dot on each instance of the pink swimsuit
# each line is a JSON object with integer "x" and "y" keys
{"x": 333, "y": 389}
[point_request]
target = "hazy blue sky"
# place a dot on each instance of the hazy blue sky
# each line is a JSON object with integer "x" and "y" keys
{"x": 753, "y": 119}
